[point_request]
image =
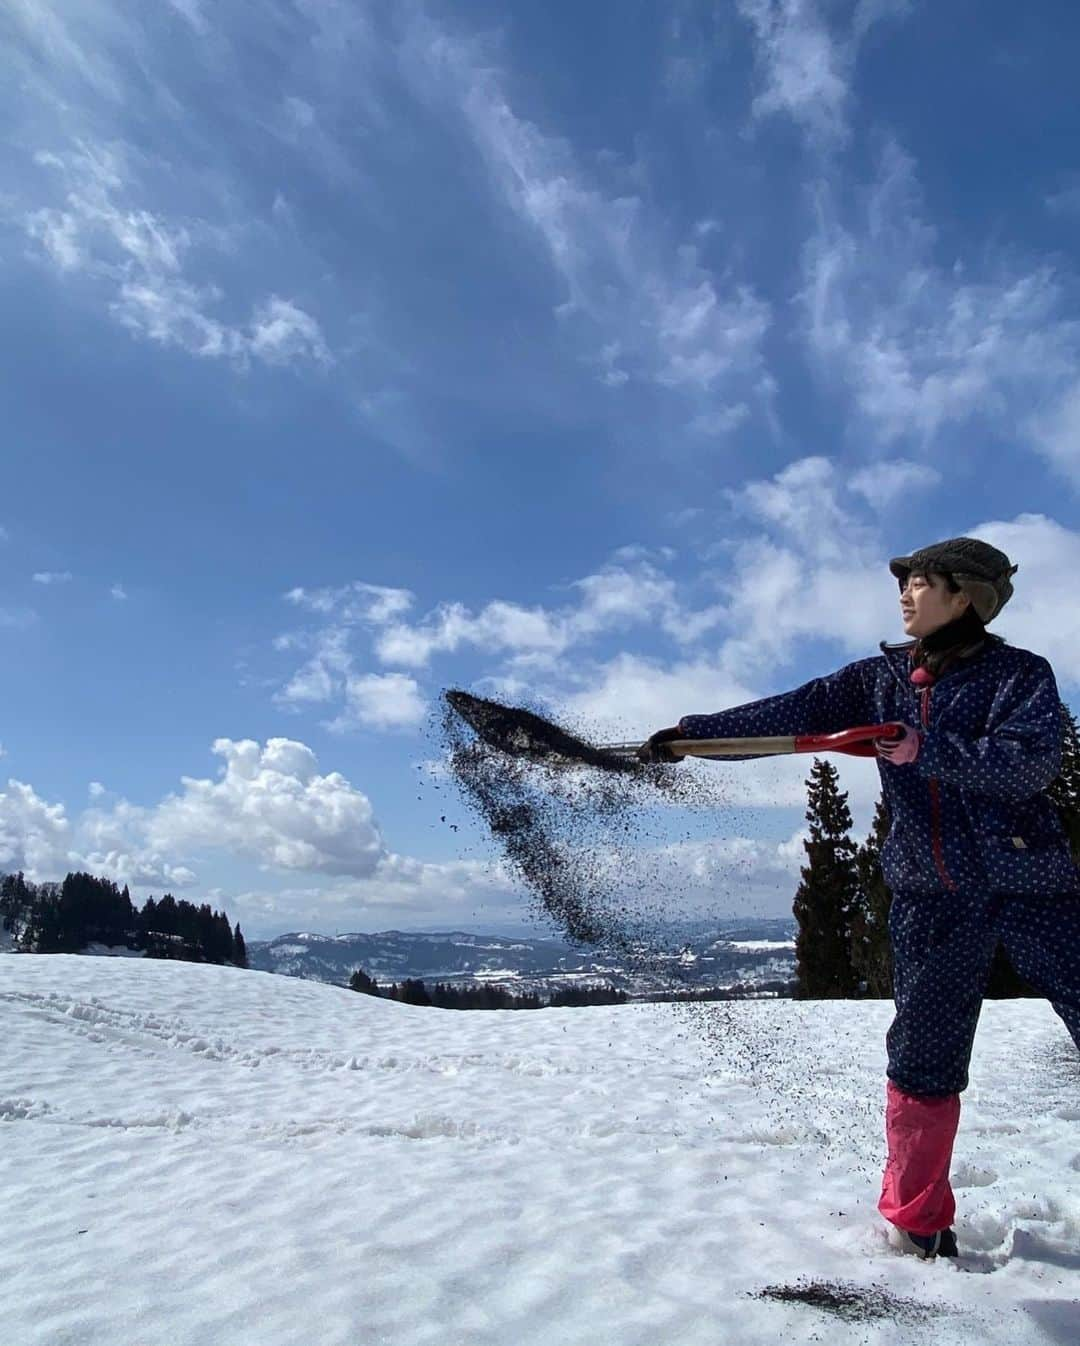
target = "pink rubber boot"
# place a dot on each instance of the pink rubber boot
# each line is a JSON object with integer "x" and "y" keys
{"x": 915, "y": 1191}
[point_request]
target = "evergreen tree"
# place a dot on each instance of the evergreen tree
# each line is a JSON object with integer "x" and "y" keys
{"x": 167, "y": 916}
{"x": 16, "y": 900}
{"x": 871, "y": 951}
{"x": 360, "y": 981}
{"x": 825, "y": 900}
{"x": 147, "y": 920}
{"x": 44, "y": 931}
{"x": 239, "y": 956}
{"x": 92, "y": 910}
{"x": 412, "y": 991}
{"x": 1064, "y": 792}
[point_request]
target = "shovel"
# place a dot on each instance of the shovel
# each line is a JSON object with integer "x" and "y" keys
{"x": 523, "y": 733}
{"x": 858, "y": 742}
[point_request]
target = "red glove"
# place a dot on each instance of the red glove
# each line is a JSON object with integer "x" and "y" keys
{"x": 900, "y": 751}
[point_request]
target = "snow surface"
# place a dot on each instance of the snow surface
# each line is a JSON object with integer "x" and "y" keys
{"x": 203, "y": 1156}
{"x": 748, "y": 945}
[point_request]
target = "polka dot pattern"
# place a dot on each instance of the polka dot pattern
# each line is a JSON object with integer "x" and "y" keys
{"x": 971, "y": 811}
{"x": 942, "y": 950}
{"x": 976, "y": 853}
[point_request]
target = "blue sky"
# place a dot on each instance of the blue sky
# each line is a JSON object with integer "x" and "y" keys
{"x": 600, "y": 355}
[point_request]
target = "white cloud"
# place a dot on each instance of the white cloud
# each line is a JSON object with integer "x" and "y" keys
{"x": 52, "y": 577}
{"x": 922, "y": 346}
{"x": 497, "y": 626}
{"x": 802, "y": 502}
{"x": 355, "y": 602}
{"x": 142, "y": 263}
{"x": 807, "y": 565}
{"x": 79, "y": 41}
{"x": 118, "y": 592}
{"x": 809, "y": 568}
{"x": 882, "y": 484}
{"x": 613, "y": 599}
{"x": 806, "y": 64}
{"x": 144, "y": 869}
{"x": 1056, "y": 431}
{"x": 191, "y": 10}
{"x": 271, "y": 805}
{"x": 381, "y": 701}
{"x": 281, "y": 332}
{"x": 402, "y": 893}
{"x": 805, "y": 71}
{"x": 622, "y": 595}
{"x": 34, "y": 835}
{"x": 58, "y": 233}
{"x": 630, "y": 696}
{"x": 650, "y": 310}
{"x": 113, "y": 842}
{"x": 323, "y": 676}
{"x": 1042, "y": 615}
{"x": 312, "y": 682}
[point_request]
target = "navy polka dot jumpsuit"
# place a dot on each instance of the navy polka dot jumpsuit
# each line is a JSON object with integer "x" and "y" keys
{"x": 975, "y": 855}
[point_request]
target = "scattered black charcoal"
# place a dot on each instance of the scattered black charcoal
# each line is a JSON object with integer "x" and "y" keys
{"x": 574, "y": 821}
{"x": 520, "y": 732}
{"x": 853, "y": 1303}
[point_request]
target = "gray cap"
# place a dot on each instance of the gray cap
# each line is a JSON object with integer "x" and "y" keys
{"x": 981, "y": 571}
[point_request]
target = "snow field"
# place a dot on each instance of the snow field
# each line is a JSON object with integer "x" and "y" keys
{"x": 200, "y": 1156}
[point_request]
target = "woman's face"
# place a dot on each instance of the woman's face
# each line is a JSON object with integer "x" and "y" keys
{"x": 926, "y": 604}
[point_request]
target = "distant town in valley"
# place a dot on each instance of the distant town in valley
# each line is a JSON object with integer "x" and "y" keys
{"x": 747, "y": 958}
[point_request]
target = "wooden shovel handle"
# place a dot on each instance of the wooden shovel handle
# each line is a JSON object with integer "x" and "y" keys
{"x": 858, "y": 742}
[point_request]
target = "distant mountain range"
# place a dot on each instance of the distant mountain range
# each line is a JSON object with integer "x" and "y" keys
{"x": 692, "y": 957}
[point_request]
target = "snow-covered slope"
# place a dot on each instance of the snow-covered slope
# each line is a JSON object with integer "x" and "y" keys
{"x": 201, "y": 1156}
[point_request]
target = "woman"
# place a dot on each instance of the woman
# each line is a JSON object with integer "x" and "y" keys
{"x": 975, "y": 854}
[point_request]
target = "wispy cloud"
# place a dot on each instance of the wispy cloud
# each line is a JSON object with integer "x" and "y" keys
{"x": 52, "y": 577}
{"x": 734, "y": 623}
{"x": 1043, "y": 614}
{"x": 646, "y": 306}
{"x": 192, "y": 10}
{"x": 155, "y": 273}
{"x": 356, "y": 602}
{"x": 804, "y": 563}
{"x": 923, "y": 344}
{"x": 804, "y": 70}
{"x": 1065, "y": 202}
{"x": 883, "y": 484}
{"x": 381, "y": 701}
{"x": 806, "y": 63}
{"x": 631, "y": 592}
